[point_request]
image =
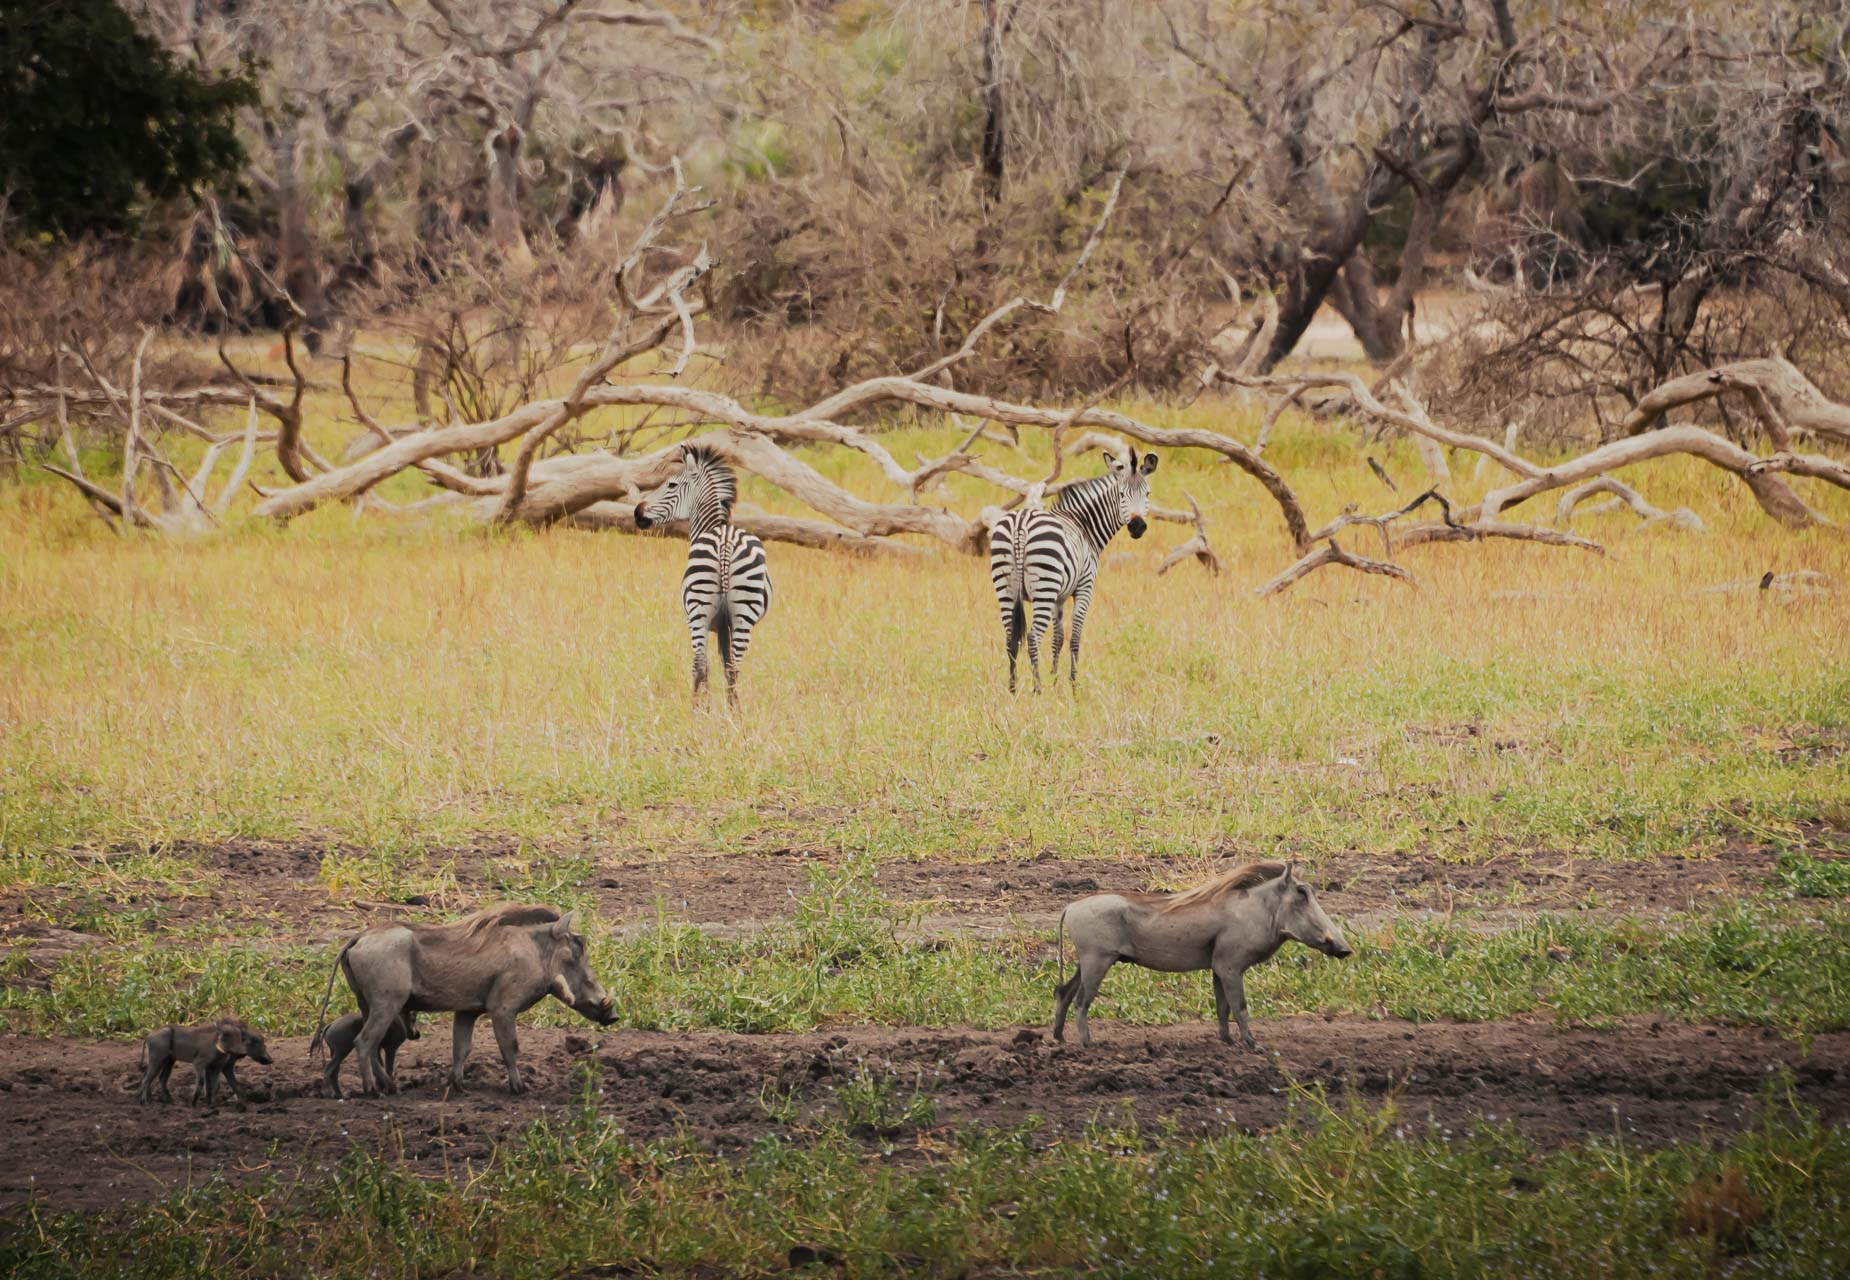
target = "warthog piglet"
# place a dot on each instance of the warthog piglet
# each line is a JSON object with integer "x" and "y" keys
{"x": 212, "y": 1049}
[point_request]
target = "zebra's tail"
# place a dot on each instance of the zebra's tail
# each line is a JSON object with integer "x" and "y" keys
{"x": 1018, "y": 589}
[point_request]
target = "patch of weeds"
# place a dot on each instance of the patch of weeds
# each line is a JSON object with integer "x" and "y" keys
{"x": 780, "y": 1106}
{"x": 1805, "y": 876}
{"x": 842, "y": 917}
{"x": 1350, "y": 1191}
{"x": 877, "y": 1104}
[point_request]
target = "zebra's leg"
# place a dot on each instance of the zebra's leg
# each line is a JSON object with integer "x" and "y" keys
{"x": 740, "y": 640}
{"x": 1014, "y": 622}
{"x": 1044, "y": 611}
{"x": 1059, "y": 636}
{"x": 1082, "y": 601}
{"x": 698, "y": 632}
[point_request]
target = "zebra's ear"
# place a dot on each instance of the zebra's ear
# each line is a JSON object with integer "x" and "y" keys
{"x": 1113, "y": 465}
{"x": 1149, "y": 462}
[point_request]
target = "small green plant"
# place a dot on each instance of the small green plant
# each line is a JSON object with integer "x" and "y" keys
{"x": 782, "y": 1106}
{"x": 878, "y": 1104}
{"x": 1805, "y": 876}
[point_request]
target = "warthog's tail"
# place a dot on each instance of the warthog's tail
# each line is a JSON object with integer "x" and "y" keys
{"x": 321, "y": 1021}
{"x": 1059, "y": 974}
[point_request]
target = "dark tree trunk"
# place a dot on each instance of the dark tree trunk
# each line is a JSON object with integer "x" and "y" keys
{"x": 994, "y": 163}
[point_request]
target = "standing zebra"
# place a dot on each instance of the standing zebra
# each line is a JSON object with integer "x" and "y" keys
{"x": 727, "y": 588}
{"x": 1038, "y": 558}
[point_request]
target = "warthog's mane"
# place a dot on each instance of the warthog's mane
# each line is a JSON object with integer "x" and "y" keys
{"x": 1247, "y": 876}
{"x": 478, "y": 928}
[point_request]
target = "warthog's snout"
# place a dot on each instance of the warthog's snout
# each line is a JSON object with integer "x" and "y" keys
{"x": 642, "y": 519}
{"x": 603, "y": 1014}
{"x": 1136, "y": 526}
{"x": 261, "y": 1056}
{"x": 1337, "y": 949}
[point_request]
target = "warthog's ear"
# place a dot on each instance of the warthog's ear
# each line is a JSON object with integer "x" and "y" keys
{"x": 1149, "y": 463}
{"x": 562, "y": 927}
{"x": 1291, "y": 872}
{"x": 230, "y": 1038}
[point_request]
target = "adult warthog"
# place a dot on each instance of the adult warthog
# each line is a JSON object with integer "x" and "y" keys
{"x": 1227, "y": 924}
{"x": 501, "y": 962}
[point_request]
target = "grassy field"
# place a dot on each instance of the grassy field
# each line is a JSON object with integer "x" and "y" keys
{"x": 398, "y": 696}
{"x": 1331, "y": 1193}
{"x": 403, "y": 687}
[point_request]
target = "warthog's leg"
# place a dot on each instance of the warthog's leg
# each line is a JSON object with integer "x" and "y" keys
{"x": 503, "y": 1022}
{"x": 207, "y": 1084}
{"x": 330, "y": 1079}
{"x": 231, "y": 1078}
{"x": 1063, "y": 998}
{"x": 148, "y": 1077}
{"x": 1093, "y": 966}
{"x": 379, "y": 1019}
{"x": 462, "y": 1039}
{"x": 1230, "y": 988}
{"x": 166, "y": 1076}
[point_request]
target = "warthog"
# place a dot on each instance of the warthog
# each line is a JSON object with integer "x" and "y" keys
{"x": 212, "y": 1049}
{"x": 345, "y": 1030}
{"x": 501, "y": 962}
{"x": 1227, "y": 924}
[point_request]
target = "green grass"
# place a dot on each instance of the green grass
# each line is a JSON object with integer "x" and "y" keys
{"x": 404, "y": 687}
{"x": 841, "y": 959}
{"x": 1351, "y": 1192}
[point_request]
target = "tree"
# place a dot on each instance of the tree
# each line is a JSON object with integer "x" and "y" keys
{"x": 96, "y": 119}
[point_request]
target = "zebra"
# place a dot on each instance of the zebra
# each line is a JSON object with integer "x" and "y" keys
{"x": 1038, "y": 557}
{"x": 727, "y": 587}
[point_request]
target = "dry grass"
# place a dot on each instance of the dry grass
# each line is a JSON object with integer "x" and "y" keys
{"x": 403, "y": 684}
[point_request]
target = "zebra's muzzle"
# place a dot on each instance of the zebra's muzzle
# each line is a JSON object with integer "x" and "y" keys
{"x": 642, "y": 518}
{"x": 1136, "y": 526}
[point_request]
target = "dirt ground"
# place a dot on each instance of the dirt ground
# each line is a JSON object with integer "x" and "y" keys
{"x": 280, "y": 883}
{"x": 71, "y": 1133}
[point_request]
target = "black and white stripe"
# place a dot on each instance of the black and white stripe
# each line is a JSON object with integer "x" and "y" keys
{"x": 1038, "y": 559}
{"x": 726, "y": 590}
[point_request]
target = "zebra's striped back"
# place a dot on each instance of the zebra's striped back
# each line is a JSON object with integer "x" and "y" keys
{"x": 726, "y": 588}
{"x": 726, "y": 571}
{"x": 1038, "y": 559}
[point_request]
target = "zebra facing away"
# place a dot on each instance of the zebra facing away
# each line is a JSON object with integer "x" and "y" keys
{"x": 1039, "y": 558}
{"x": 726, "y": 590}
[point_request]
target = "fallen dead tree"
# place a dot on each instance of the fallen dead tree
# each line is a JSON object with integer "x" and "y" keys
{"x": 1781, "y": 398}
{"x": 599, "y": 488}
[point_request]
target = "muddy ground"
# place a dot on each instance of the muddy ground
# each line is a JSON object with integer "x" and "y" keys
{"x": 282, "y": 885}
{"x": 71, "y": 1133}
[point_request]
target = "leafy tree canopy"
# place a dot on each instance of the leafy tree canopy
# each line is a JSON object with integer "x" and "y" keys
{"x": 97, "y": 120}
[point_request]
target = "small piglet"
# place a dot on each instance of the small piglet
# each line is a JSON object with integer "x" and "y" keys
{"x": 342, "y": 1033}
{"x": 212, "y": 1049}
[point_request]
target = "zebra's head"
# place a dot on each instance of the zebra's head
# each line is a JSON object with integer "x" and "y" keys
{"x": 1133, "y": 487}
{"x": 704, "y": 480}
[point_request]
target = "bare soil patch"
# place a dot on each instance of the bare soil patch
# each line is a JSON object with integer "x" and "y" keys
{"x": 70, "y": 1131}
{"x": 281, "y": 883}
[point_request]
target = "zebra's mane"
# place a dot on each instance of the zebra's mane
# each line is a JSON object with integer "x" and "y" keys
{"x": 717, "y": 472}
{"x": 1071, "y": 497}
